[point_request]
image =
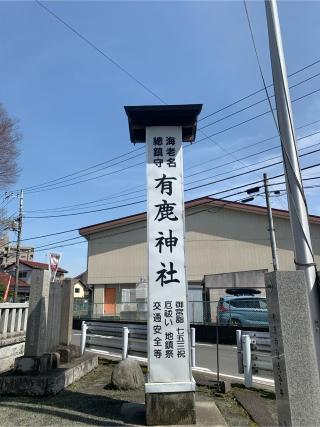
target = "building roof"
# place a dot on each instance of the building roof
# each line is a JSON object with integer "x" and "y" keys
{"x": 5, "y": 277}
{"x": 38, "y": 265}
{"x": 142, "y": 116}
{"x": 208, "y": 201}
{"x": 82, "y": 276}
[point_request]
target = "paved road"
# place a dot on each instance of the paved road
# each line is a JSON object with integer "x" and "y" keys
{"x": 206, "y": 357}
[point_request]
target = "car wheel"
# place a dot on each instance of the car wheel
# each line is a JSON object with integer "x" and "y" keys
{"x": 235, "y": 322}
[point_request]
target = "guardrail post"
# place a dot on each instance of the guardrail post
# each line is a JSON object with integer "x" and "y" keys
{"x": 193, "y": 347}
{"x": 125, "y": 341}
{"x": 239, "y": 351}
{"x": 84, "y": 328}
{"x": 24, "y": 319}
{"x": 247, "y": 365}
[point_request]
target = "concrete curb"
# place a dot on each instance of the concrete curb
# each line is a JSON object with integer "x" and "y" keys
{"x": 256, "y": 406}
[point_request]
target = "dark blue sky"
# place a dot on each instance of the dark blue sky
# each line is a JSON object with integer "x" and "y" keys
{"x": 69, "y": 98}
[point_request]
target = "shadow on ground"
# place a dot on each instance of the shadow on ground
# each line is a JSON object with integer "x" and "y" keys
{"x": 70, "y": 407}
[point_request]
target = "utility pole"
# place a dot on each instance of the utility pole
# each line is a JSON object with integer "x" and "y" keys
{"x": 16, "y": 284}
{"x": 275, "y": 261}
{"x": 296, "y": 201}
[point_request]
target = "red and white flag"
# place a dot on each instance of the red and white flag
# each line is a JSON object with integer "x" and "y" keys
{"x": 54, "y": 260}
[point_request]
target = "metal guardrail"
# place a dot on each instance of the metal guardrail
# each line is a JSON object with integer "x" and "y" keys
{"x": 114, "y": 337}
{"x": 254, "y": 354}
{"x": 130, "y": 339}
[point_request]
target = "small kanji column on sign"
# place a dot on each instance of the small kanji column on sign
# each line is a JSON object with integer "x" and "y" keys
{"x": 164, "y": 128}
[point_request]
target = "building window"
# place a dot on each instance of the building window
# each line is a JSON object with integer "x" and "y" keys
{"x": 23, "y": 274}
{"x": 77, "y": 291}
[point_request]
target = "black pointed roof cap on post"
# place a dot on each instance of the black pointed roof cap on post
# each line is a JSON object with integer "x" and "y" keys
{"x": 140, "y": 117}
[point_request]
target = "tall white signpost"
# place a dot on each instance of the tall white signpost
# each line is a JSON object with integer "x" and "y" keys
{"x": 170, "y": 388}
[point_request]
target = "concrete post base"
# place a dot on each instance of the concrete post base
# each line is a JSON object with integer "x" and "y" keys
{"x": 170, "y": 408}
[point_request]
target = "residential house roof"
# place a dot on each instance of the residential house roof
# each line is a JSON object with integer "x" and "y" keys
{"x": 5, "y": 277}
{"x": 83, "y": 279}
{"x": 37, "y": 266}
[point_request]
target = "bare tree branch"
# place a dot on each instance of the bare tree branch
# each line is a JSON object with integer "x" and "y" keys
{"x": 10, "y": 138}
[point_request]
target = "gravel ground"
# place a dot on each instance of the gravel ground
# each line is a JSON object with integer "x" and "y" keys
{"x": 92, "y": 401}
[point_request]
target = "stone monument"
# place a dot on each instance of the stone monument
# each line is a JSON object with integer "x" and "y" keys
{"x": 294, "y": 358}
{"x": 170, "y": 387}
{"x": 49, "y": 326}
{"x": 35, "y": 357}
{"x": 67, "y": 295}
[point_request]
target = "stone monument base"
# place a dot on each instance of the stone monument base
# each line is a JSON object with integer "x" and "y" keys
{"x": 170, "y": 408}
{"x": 36, "y": 364}
{"x": 47, "y": 383}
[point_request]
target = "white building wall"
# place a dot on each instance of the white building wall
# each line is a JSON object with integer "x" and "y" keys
{"x": 80, "y": 294}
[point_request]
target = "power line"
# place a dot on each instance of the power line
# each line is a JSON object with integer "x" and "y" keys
{"x": 60, "y": 241}
{"x": 256, "y": 163}
{"x": 256, "y": 92}
{"x": 246, "y": 157}
{"x": 48, "y": 184}
{"x": 194, "y": 181}
{"x": 61, "y": 246}
{"x": 216, "y": 167}
{"x": 97, "y": 49}
{"x": 209, "y": 195}
{"x": 66, "y": 207}
{"x": 141, "y": 163}
{"x": 142, "y": 201}
{"x": 106, "y": 56}
{"x": 86, "y": 169}
{"x": 253, "y": 118}
{"x": 240, "y": 174}
{"x": 258, "y": 143}
{"x": 87, "y": 212}
{"x": 42, "y": 186}
{"x": 85, "y": 180}
{"x": 237, "y": 112}
{"x": 139, "y": 82}
{"x": 91, "y": 44}
{"x": 49, "y": 235}
{"x": 129, "y": 192}
{"x": 256, "y": 103}
{"x": 83, "y": 207}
